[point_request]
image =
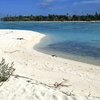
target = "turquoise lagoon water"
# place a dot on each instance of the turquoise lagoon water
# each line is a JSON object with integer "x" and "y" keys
{"x": 74, "y": 40}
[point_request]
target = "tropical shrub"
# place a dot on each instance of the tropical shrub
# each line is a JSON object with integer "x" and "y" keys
{"x": 6, "y": 70}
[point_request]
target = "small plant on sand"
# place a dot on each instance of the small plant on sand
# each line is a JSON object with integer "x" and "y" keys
{"x": 6, "y": 70}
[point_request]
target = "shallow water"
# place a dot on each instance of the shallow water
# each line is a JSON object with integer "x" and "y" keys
{"x": 74, "y": 40}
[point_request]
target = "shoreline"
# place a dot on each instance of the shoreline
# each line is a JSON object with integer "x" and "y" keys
{"x": 53, "y": 21}
{"x": 49, "y": 51}
{"x": 78, "y": 58}
{"x": 17, "y": 45}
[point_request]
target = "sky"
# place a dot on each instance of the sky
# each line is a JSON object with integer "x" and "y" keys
{"x": 45, "y": 7}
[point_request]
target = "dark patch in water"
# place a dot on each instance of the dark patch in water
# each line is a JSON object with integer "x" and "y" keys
{"x": 96, "y": 40}
{"x": 73, "y": 47}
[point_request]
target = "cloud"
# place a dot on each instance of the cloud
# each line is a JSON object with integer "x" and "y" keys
{"x": 46, "y": 3}
{"x": 87, "y": 2}
{"x": 90, "y": 1}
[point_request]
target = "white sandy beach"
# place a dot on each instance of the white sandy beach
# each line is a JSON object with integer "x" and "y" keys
{"x": 41, "y": 76}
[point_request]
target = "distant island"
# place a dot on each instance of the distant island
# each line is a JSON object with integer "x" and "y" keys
{"x": 53, "y": 17}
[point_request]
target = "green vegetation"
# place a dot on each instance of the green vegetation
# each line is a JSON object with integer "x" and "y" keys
{"x": 88, "y": 17}
{"x": 5, "y": 70}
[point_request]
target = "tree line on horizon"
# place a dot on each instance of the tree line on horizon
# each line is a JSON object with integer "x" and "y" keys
{"x": 53, "y": 17}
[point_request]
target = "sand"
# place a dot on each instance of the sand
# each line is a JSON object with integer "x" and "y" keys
{"x": 39, "y": 76}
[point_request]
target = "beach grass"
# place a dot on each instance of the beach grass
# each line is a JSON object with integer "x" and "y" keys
{"x": 6, "y": 70}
